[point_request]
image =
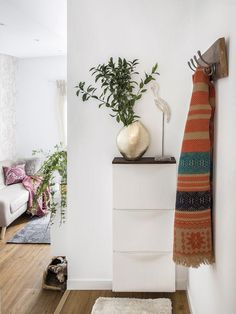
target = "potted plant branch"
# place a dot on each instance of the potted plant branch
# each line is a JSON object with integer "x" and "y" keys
{"x": 119, "y": 92}
{"x": 55, "y": 161}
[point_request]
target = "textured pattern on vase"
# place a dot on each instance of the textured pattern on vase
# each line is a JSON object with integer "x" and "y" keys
{"x": 193, "y": 230}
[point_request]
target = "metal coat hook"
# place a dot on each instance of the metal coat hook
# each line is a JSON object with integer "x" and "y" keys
{"x": 201, "y": 57}
{"x": 193, "y": 64}
{"x": 213, "y": 60}
{"x": 189, "y": 64}
{"x": 196, "y": 60}
{"x": 206, "y": 66}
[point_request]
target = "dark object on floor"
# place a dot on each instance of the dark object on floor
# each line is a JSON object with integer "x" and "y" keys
{"x": 36, "y": 231}
{"x": 55, "y": 276}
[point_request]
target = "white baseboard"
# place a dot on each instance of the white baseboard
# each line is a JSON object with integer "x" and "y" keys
{"x": 103, "y": 284}
{"x": 89, "y": 284}
{"x": 190, "y": 303}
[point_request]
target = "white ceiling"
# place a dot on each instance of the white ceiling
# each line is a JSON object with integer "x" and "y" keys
{"x": 33, "y": 28}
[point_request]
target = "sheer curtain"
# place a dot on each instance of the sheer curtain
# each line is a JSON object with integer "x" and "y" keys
{"x": 62, "y": 110}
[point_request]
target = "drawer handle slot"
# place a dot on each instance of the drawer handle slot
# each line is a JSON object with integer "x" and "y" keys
{"x": 144, "y": 252}
{"x": 138, "y": 209}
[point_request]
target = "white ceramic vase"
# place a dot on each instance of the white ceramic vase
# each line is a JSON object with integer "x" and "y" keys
{"x": 133, "y": 141}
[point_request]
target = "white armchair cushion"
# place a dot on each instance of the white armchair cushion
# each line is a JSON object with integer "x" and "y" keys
{"x": 13, "y": 197}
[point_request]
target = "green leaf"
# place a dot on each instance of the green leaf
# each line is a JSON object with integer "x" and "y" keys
{"x": 105, "y": 90}
{"x": 117, "y": 80}
{"x": 154, "y": 68}
{"x": 108, "y": 98}
{"x": 98, "y": 77}
{"x": 81, "y": 85}
{"x": 135, "y": 62}
{"x": 89, "y": 89}
{"x": 148, "y": 79}
{"x": 104, "y": 84}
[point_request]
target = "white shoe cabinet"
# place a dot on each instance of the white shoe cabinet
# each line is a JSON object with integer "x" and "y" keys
{"x": 143, "y": 215}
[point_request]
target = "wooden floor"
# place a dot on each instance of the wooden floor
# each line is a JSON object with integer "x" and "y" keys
{"x": 81, "y": 302}
{"x": 21, "y": 268}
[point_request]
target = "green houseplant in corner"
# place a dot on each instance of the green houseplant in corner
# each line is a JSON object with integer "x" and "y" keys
{"x": 54, "y": 161}
{"x": 119, "y": 91}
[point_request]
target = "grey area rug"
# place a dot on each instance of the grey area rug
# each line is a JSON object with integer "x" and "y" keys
{"x": 132, "y": 306}
{"x": 37, "y": 231}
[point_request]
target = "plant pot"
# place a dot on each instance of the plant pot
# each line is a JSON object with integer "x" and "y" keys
{"x": 133, "y": 141}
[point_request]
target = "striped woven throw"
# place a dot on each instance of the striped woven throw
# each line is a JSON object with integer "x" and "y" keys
{"x": 193, "y": 223}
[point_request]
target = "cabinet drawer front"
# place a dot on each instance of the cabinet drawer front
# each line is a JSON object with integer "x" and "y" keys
{"x": 143, "y": 230}
{"x": 144, "y": 186}
{"x": 143, "y": 272}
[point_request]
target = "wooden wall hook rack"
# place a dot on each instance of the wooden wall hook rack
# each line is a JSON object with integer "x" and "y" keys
{"x": 215, "y": 57}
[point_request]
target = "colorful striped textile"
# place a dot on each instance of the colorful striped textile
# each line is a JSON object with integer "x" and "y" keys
{"x": 193, "y": 223}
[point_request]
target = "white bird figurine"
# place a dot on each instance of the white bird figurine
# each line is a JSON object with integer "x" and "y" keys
{"x": 165, "y": 109}
{"x": 161, "y": 103}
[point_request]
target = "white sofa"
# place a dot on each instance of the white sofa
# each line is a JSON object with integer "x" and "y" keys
{"x": 13, "y": 198}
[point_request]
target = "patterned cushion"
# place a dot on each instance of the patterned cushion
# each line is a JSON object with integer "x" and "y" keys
{"x": 6, "y": 163}
{"x": 32, "y": 165}
{"x": 14, "y": 174}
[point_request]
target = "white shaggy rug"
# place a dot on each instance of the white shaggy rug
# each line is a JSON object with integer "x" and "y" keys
{"x": 132, "y": 306}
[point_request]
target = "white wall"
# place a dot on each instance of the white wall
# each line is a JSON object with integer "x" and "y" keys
{"x": 212, "y": 288}
{"x": 36, "y": 103}
{"x": 151, "y": 31}
{"x": 7, "y": 106}
{"x": 169, "y": 32}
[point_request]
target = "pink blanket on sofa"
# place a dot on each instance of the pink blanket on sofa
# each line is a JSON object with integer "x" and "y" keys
{"x": 31, "y": 183}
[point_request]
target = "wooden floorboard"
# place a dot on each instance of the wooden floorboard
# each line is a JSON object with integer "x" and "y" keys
{"x": 21, "y": 269}
{"x": 81, "y": 302}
